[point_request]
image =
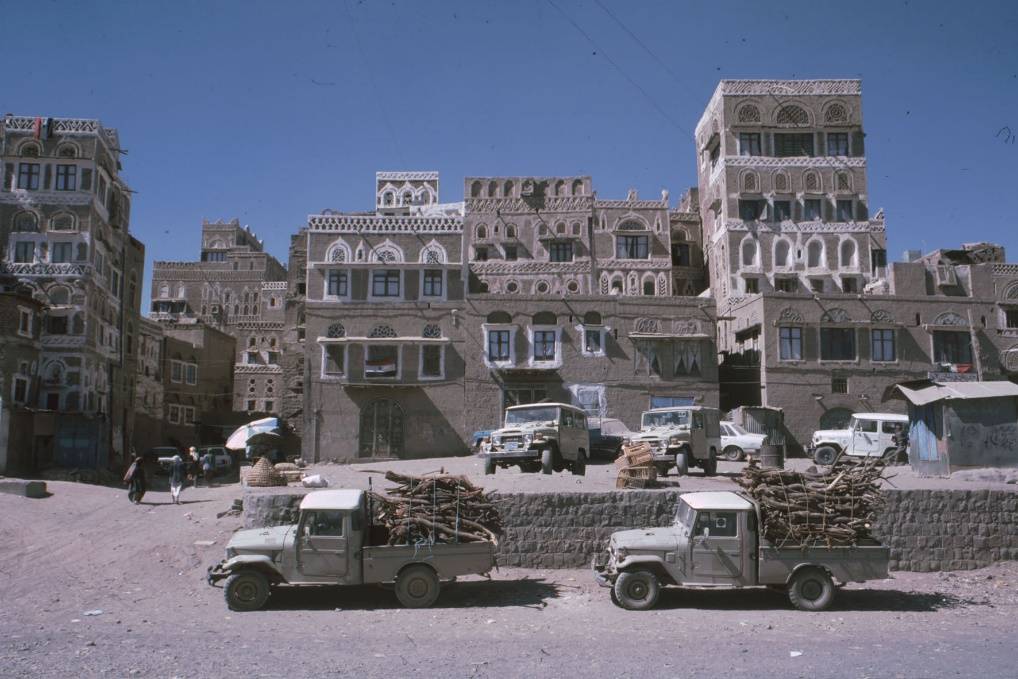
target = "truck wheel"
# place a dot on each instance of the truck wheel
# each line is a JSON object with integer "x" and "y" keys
{"x": 417, "y": 586}
{"x": 681, "y": 464}
{"x": 547, "y": 460}
{"x": 710, "y": 465}
{"x": 246, "y": 591}
{"x": 637, "y": 590}
{"x": 825, "y": 455}
{"x": 489, "y": 465}
{"x": 733, "y": 453}
{"x": 580, "y": 465}
{"x": 811, "y": 589}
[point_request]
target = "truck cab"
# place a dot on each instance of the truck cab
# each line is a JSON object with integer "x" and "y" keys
{"x": 715, "y": 541}
{"x": 867, "y": 435}
{"x": 330, "y": 544}
{"x": 682, "y": 437}
{"x": 543, "y": 437}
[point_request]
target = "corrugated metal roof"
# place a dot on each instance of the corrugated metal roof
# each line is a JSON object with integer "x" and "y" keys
{"x": 959, "y": 391}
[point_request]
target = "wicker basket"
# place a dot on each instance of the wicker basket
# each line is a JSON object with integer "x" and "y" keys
{"x": 286, "y": 467}
{"x": 262, "y": 474}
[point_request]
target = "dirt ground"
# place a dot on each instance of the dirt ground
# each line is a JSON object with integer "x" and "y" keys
{"x": 93, "y": 586}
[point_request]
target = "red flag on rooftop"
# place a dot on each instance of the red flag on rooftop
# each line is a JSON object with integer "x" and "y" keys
{"x": 37, "y": 128}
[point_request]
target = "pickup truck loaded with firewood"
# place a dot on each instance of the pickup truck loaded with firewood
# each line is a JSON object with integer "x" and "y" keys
{"x": 426, "y": 530}
{"x": 797, "y": 532}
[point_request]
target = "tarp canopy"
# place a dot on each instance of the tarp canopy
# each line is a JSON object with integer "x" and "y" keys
{"x": 239, "y": 439}
{"x": 958, "y": 391}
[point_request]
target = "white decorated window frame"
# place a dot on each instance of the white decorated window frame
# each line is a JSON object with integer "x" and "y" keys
{"x": 441, "y": 363}
{"x": 512, "y": 329}
{"x": 386, "y": 298}
{"x": 445, "y": 283}
{"x": 324, "y": 373}
{"x": 326, "y": 297}
{"x": 556, "y": 362}
{"x": 601, "y": 330}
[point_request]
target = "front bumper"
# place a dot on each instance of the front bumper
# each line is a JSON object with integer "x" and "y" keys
{"x": 518, "y": 454}
{"x": 216, "y": 573}
{"x": 603, "y": 575}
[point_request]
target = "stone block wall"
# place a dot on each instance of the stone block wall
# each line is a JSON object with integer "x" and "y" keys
{"x": 927, "y": 530}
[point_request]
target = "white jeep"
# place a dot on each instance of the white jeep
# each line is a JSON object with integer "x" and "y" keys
{"x": 867, "y": 435}
{"x": 682, "y": 437}
{"x": 543, "y": 437}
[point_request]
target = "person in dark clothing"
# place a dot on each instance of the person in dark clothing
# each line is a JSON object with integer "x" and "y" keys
{"x": 135, "y": 480}
{"x": 208, "y": 467}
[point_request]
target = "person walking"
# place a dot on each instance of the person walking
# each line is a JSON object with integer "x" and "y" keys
{"x": 178, "y": 474}
{"x": 208, "y": 467}
{"x": 135, "y": 480}
{"x": 193, "y": 466}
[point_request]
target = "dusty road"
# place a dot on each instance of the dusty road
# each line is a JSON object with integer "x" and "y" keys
{"x": 86, "y": 549}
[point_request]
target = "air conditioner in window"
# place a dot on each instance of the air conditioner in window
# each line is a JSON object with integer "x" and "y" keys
{"x": 946, "y": 275}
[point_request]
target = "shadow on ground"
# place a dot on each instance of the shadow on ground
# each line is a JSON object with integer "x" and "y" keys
{"x": 888, "y": 600}
{"x": 472, "y": 594}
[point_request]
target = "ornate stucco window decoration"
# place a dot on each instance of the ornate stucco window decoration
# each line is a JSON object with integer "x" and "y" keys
{"x": 677, "y": 346}
{"x": 499, "y": 345}
{"x": 383, "y": 354}
{"x": 546, "y": 346}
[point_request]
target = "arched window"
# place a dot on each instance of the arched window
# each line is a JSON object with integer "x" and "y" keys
{"x": 648, "y": 286}
{"x": 781, "y": 182}
{"x": 750, "y": 183}
{"x": 388, "y": 198}
{"x": 482, "y": 232}
{"x": 849, "y": 257}
{"x": 67, "y": 151}
{"x": 492, "y": 189}
{"x": 26, "y": 221}
{"x": 382, "y": 331}
{"x": 616, "y": 285}
{"x": 578, "y": 187}
{"x": 792, "y": 115}
{"x": 836, "y": 113}
{"x": 508, "y": 189}
{"x": 499, "y": 317}
{"x": 576, "y": 228}
{"x": 560, "y": 188}
{"x": 560, "y": 228}
{"x": 592, "y": 318}
{"x": 475, "y": 190}
{"x": 749, "y": 114}
{"x": 62, "y": 222}
{"x": 29, "y": 150}
{"x": 811, "y": 182}
{"x": 781, "y": 252}
{"x": 749, "y": 252}
{"x": 843, "y": 181}
{"x": 59, "y": 295}
{"x": 432, "y": 331}
{"x": 815, "y": 254}
{"x": 510, "y": 231}
{"x": 164, "y": 290}
{"x": 545, "y": 318}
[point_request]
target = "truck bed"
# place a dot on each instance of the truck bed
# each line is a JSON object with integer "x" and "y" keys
{"x": 381, "y": 564}
{"x": 854, "y": 563}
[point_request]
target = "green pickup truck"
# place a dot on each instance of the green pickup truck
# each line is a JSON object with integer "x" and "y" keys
{"x": 715, "y": 542}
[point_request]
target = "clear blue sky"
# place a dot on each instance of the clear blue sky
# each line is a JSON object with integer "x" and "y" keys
{"x": 271, "y": 111}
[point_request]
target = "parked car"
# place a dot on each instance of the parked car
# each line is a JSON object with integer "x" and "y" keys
{"x": 607, "y": 436}
{"x": 330, "y": 545}
{"x": 737, "y": 443}
{"x": 478, "y": 438}
{"x": 867, "y": 435}
{"x": 715, "y": 541}
{"x": 224, "y": 459}
{"x": 543, "y": 437}
{"x": 681, "y": 437}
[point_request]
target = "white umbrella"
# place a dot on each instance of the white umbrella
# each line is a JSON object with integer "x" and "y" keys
{"x": 238, "y": 439}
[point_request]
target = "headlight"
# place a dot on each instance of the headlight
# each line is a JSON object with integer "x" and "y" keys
{"x": 622, "y": 552}
{"x": 674, "y": 439}
{"x": 538, "y": 436}
{"x": 528, "y": 439}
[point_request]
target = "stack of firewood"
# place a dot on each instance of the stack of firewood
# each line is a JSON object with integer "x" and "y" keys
{"x": 836, "y": 506}
{"x": 636, "y": 466}
{"x": 434, "y": 508}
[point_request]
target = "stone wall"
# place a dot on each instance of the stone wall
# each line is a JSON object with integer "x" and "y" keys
{"x": 927, "y": 530}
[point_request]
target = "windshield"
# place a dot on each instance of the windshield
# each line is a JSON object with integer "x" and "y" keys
{"x": 613, "y": 428}
{"x": 737, "y": 428}
{"x": 684, "y": 514}
{"x": 673, "y": 418}
{"x": 531, "y": 415}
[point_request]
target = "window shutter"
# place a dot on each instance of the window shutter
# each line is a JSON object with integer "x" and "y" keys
{"x": 8, "y": 177}
{"x": 86, "y": 179}
{"x": 47, "y": 177}
{"x": 858, "y": 147}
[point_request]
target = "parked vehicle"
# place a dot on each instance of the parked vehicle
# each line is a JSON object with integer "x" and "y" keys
{"x": 478, "y": 438}
{"x": 543, "y": 437}
{"x": 160, "y": 457}
{"x": 682, "y": 437}
{"x": 867, "y": 435}
{"x": 222, "y": 456}
{"x": 715, "y": 541}
{"x": 607, "y": 435}
{"x": 330, "y": 545}
{"x": 737, "y": 443}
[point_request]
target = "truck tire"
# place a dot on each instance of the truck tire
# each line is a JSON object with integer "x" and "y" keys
{"x": 417, "y": 586}
{"x": 733, "y": 453}
{"x": 489, "y": 465}
{"x": 637, "y": 590}
{"x": 547, "y": 460}
{"x": 811, "y": 589}
{"x": 580, "y": 465}
{"x": 246, "y": 591}
{"x": 825, "y": 455}
{"x": 710, "y": 465}
{"x": 682, "y": 463}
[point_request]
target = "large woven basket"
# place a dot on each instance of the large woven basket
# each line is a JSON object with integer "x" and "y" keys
{"x": 262, "y": 474}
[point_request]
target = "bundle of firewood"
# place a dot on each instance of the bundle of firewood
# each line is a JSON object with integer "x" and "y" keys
{"x": 434, "y": 508}
{"x": 836, "y": 506}
{"x": 636, "y": 466}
